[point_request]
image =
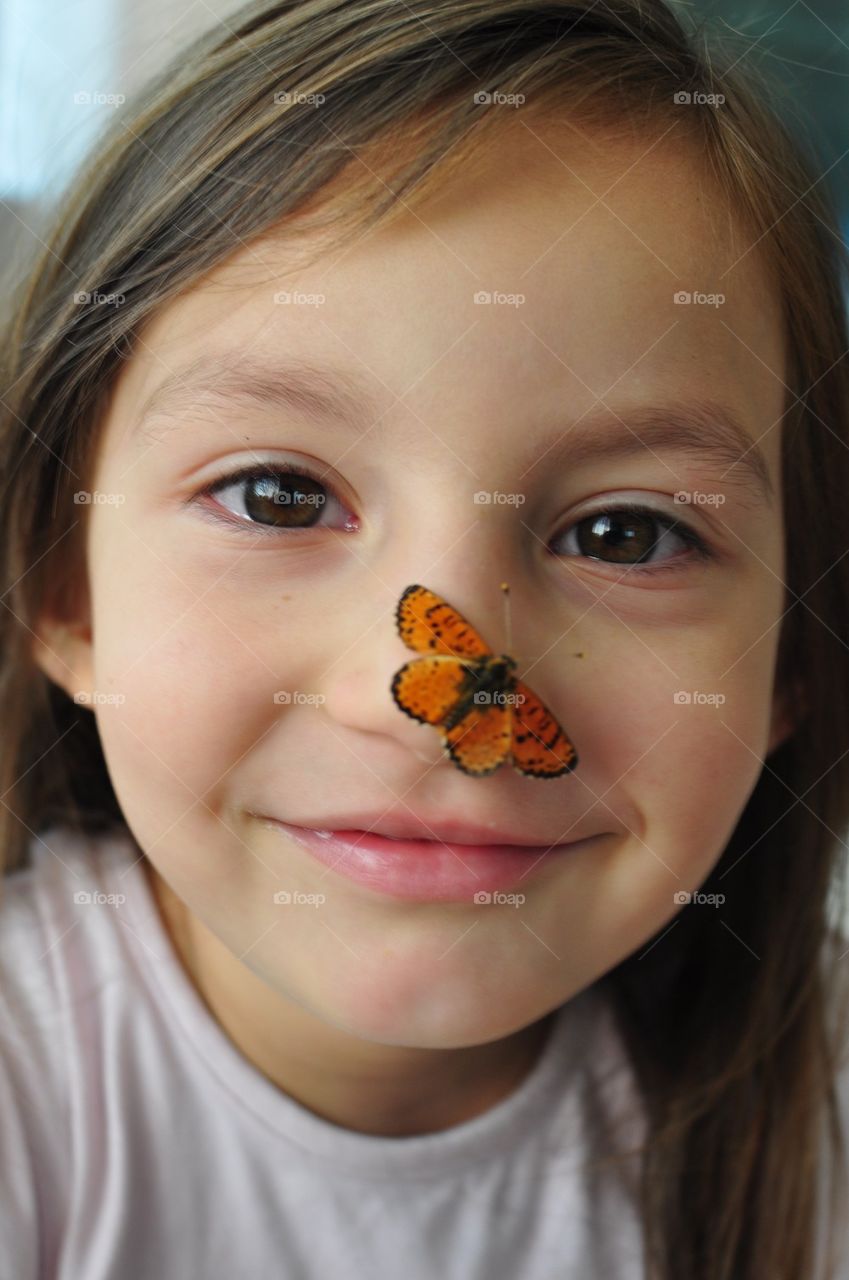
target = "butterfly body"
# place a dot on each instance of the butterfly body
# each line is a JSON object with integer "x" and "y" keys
{"x": 485, "y": 713}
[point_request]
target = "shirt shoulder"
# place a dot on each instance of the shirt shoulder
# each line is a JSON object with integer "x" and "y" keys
{"x": 39, "y": 966}
{"x": 39, "y": 911}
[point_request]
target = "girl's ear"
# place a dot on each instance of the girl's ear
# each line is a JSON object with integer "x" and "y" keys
{"x": 63, "y": 651}
{"x": 788, "y": 708}
{"x": 62, "y": 646}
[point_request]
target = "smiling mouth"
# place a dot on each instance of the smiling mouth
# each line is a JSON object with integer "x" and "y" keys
{"x": 405, "y": 845}
{"x": 420, "y": 869}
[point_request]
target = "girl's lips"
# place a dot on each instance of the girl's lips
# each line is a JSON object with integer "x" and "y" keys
{"x": 426, "y": 870}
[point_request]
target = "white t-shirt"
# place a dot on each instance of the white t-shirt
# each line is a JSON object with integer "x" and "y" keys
{"x": 138, "y": 1143}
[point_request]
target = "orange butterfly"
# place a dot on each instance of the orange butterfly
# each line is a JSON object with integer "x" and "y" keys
{"x": 485, "y": 714}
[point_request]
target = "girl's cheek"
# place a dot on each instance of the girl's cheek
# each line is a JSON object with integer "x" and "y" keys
{"x": 674, "y": 738}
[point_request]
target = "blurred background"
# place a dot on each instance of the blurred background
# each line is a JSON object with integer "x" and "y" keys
{"x": 64, "y": 67}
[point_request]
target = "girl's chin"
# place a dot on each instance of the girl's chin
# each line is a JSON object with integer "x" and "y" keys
{"x": 449, "y": 1014}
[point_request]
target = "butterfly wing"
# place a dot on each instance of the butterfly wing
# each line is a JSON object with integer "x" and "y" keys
{"x": 539, "y": 747}
{"x": 428, "y": 624}
{"x": 427, "y": 689}
{"x": 430, "y": 688}
{"x": 480, "y": 741}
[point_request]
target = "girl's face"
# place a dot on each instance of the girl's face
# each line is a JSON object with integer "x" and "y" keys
{"x": 565, "y": 388}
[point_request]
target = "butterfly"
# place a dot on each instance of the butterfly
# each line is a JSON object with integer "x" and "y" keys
{"x": 485, "y": 714}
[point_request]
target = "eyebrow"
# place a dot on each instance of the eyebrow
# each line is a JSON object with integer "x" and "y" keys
{"x": 707, "y": 430}
{"x": 323, "y": 393}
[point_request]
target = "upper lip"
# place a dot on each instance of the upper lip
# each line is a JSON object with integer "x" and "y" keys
{"x": 447, "y": 830}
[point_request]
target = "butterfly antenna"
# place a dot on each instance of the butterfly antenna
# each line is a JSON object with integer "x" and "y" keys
{"x": 506, "y": 590}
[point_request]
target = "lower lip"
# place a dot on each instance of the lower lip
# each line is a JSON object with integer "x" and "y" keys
{"x": 426, "y": 870}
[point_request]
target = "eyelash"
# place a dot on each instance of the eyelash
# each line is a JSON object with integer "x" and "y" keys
{"x": 696, "y": 544}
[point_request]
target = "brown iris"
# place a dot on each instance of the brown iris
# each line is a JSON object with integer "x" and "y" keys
{"x": 627, "y": 537}
{"x": 284, "y": 499}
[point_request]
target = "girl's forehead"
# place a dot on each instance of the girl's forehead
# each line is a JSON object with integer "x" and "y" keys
{"x": 555, "y": 261}
{"x": 567, "y": 211}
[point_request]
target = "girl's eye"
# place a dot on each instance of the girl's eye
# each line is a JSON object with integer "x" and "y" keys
{"x": 632, "y": 536}
{"x": 268, "y": 498}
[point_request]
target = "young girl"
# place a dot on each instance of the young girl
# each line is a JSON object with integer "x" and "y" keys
{"x": 363, "y": 296}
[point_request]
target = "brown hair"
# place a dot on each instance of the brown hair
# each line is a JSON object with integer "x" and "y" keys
{"x": 729, "y": 1029}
